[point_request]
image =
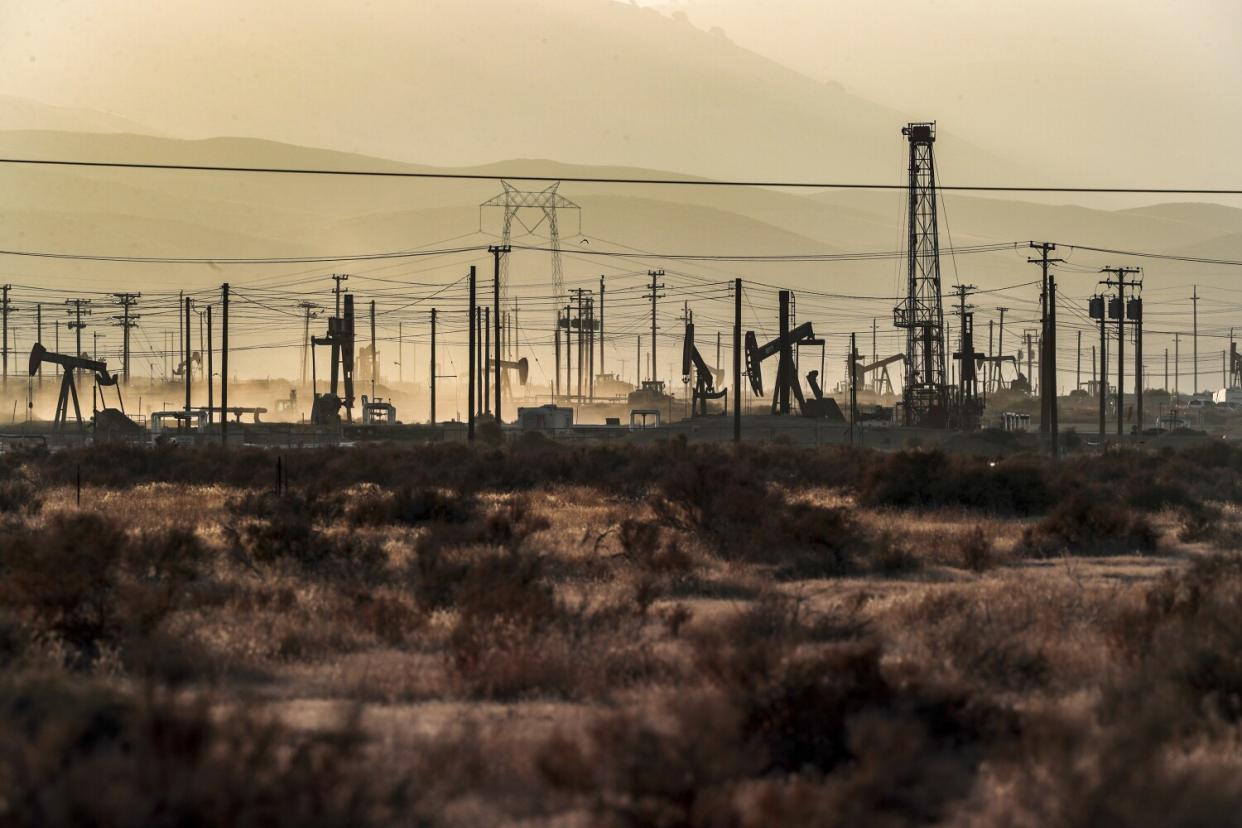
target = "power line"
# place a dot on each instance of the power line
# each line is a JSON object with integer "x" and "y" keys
{"x": 693, "y": 182}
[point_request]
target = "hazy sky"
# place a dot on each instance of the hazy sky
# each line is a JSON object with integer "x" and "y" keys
{"x": 1145, "y": 88}
{"x": 1110, "y": 91}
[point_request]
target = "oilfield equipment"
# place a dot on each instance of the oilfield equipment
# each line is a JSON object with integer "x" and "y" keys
{"x": 925, "y": 397}
{"x": 522, "y": 366}
{"x": 881, "y": 382}
{"x": 70, "y": 365}
{"x": 326, "y": 408}
{"x": 704, "y": 386}
{"x": 786, "y": 384}
{"x": 944, "y": 381}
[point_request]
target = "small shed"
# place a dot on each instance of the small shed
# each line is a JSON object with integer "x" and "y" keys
{"x": 545, "y": 418}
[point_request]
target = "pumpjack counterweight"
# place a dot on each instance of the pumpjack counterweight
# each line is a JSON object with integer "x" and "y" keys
{"x": 921, "y": 314}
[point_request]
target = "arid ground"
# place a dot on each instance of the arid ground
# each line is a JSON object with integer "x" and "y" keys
{"x": 676, "y": 635}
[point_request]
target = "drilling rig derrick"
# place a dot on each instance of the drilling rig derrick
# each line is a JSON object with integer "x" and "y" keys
{"x": 925, "y": 397}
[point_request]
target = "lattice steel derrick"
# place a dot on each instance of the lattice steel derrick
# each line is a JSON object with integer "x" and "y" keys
{"x": 922, "y": 313}
{"x": 531, "y": 210}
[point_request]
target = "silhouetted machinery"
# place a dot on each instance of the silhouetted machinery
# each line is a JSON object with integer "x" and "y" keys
{"x": 704, "y": 387}
{"x": 326, "y": 408}
{"x": 522, "y": 366}
{"x": 195, "y": 361}
{"x": 68, "y": 389}
{"x": 881, "y": 383}
{"x": 786, "y": 374}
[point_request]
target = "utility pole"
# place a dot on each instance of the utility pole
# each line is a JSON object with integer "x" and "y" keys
{"x": 556, "y": 343}
{"x": 433, "y": 366}
{"x": 638, "y": 361}
{"x": 470, "y": 369}
{"x": 853, "y": 368}
{"x": 309, "y": 312}
{"x": 127, "y": 321}
{"x": 1195, "y": 355}
{"x": 374, "y": 355}
{"x": 578, "y": 294}
{"x": 1047, "y": 392}
{"x": 39, "y": 334}
{"x": 187, "y": 345}
{"x": 591, "y": 348}
{"x": 497, "y": 250}
{"x": 1135, "y": 313}
{"x": 655, "y": 294}
{"x": 1121, "y": 283}
{"x": 76, "y": 308}
{"x": 1050, "y": 353}
{"x": 601, "y": 325}
{"x": 1177, "y": 366}
{"x": 483, "y": 359}
{"x": 336, "y": 289}
{"x": 1078, "y": 368}
{"x": 224, "y": 364}
{"x": 211, "y": 396}
{"x": 5, "y": 307}
{"x": 737, "y": 360}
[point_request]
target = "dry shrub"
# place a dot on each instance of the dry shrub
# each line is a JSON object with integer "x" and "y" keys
{"x": 1001, "y": 644}
{"x": 645, "y": 544}
{"x": 747, "y": 520}
{"x": 17, "y": 495}
{"x": 79, "y": 754}
{"x": 931, "y": 479}
{"x": 289, "y": 535}
{"x": 410, "y": 507}
{"x": 82, "y": 580}
{"x": 513, "y": 637}
{"x": 891, "y": 749}
{"x": 1185, "y": 639}
{"x": 975, "y": 548}
{"x": 1089, "y": 523}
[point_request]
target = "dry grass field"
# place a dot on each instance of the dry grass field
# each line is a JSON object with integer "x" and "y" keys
{"x": 542, "y": 635}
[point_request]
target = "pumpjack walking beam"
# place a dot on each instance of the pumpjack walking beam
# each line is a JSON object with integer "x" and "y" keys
{"x": 786, "y": 374}
{"x": 68, "y": 389}
{"x": 704, "y": 387}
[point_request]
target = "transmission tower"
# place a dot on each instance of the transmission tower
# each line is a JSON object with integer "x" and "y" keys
{"x": 925, "y": 395}
{"x": 531, "y": 210}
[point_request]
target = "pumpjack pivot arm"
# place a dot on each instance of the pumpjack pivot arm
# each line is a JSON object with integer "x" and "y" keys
{"x": 704, "y": 380}
{"x": 804, "y": 334}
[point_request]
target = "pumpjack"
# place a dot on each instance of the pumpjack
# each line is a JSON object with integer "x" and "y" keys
{"x": 882, "y": 382}
{"x": 704, "y": 387}
{"x": 786, "y": 375}
{"x": 68, "y": 389}
{"x": 522, "y": 366}
{"x": 326, "y": 408}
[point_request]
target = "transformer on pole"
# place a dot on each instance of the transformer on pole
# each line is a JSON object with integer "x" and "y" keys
{"x": 921, "y": 314}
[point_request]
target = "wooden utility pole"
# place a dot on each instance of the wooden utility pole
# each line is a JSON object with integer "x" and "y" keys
{"x": 187, "y": 344}
{"x": 224, "y": 364}
{"x": 497, "y": 250}
{"x": 1047, "y": 388}
{"x": 1195, "y": 354}
{"x": 127, "y": 321}
{"x": 1121, "y": 284}
{"x": 470, "y": 372}
{"x": 5, "y": 307}
{"x": 433, "y": 366}
{"x": 211, "y": 396}
{"x": 655, "y": 295}
{"x": 737, "y": 360}
{"x": 601, "y": 324}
